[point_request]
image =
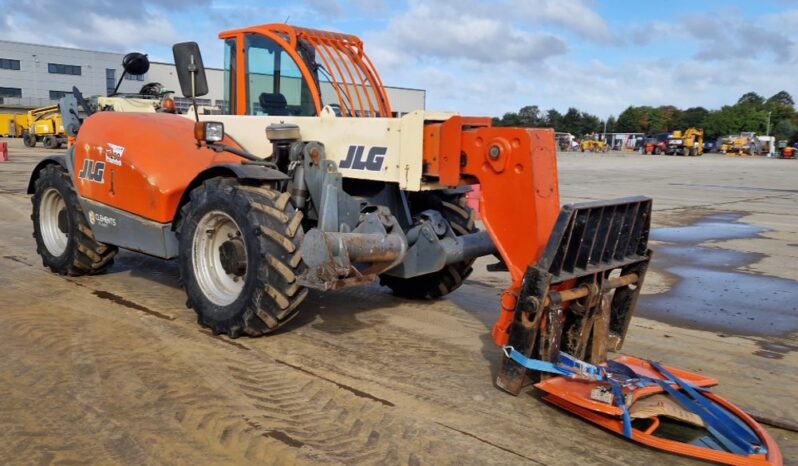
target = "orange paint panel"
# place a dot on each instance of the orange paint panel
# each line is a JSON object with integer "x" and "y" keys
{"x": 140, "y": 162}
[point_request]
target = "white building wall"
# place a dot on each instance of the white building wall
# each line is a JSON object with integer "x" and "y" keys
{"x": 36, "y": 81}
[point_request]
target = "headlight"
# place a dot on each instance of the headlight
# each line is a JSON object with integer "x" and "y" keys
{"x": 209, "y": 131}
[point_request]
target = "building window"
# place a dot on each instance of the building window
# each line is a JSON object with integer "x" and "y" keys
{"x": 110, "y": 80}
{"x": 56, "y": 95}
{"x": 56, "y": 68}
{"x": 9, "y": 64}
{"x": 10, "y": 92}
{"x": 134, "y": 77}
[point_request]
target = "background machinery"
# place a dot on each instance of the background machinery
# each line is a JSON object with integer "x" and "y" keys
{"x": 13, "y": 125}
{"x": 746, "y": 143}
{"x": 565, "y": 141}
{"x": 45, "y": 125}
{"x": 593, "y": 143}
{"x": 310, "y": 183}
{"x": 688, "y": 143}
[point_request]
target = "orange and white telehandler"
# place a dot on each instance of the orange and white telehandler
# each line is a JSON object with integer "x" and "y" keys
{"x": 309, "y": 181}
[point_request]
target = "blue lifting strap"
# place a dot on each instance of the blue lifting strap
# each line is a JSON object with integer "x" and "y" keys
{"x": 734, "y": 437}
{"x": 721, "y": 425}
{"x": 536, "y": 364}
{"x": 617, "y": 393}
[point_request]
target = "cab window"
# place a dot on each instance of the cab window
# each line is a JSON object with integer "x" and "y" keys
{"x": 275, "y": 83}
{"x": 229, "y": 77}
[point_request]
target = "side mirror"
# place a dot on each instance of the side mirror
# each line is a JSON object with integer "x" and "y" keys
{"x": 190, "y": 70}
{"x": 135, "y": 63}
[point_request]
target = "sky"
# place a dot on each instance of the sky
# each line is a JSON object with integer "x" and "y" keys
{"x": 479, "y": 57}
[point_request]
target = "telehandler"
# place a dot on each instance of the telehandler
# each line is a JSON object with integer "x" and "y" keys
{"x": 309, "y": 182}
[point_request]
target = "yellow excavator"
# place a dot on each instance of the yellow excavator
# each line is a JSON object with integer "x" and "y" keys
{"x": 45, "y": 125}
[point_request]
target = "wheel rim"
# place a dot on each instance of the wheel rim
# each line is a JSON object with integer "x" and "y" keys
{"x": 215, "y": 233}
{"x": 53, "y": 222}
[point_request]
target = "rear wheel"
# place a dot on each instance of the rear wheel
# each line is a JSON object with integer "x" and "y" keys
{"x": 29, "y": 139}
{"x": 239, "y": 257}
{"x": 50, "y": 142}
{"x": 455, "y": 210}
{"x": 64, "y": 238}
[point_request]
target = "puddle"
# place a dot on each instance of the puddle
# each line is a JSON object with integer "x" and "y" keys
{"x": 736, "y": 188}
{"x": 710, "y": 294}
{"x": 718, "y": 227}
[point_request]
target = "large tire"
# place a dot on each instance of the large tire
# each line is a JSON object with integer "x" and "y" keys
{"x": 29, "y": 139}
{"x": 455, "y": 210}
{"x": 239, "y": 257}
{"x": 50, "y": 142}
{"x": 64, "y": 238}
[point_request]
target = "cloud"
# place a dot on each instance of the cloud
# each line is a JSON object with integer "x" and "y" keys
{"x": 329, "y": 8}
{"x": 95, "y": 24}
{"x": 577, "y": 16}
{"x": 457, "y": 30}
{"x": 723, "y": 35}
{"x": 731, "y": 35}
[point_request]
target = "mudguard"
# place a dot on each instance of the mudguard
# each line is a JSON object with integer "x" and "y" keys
{"x": 142, "y": 163}
{"x": 49, "y": 160}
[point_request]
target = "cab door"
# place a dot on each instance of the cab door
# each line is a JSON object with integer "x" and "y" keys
{"x": 263, "y": 78}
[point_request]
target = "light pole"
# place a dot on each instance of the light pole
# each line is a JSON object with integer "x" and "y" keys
{"x": 768, "y": 127}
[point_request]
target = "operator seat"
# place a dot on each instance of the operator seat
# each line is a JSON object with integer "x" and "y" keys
{"x": 273, "y": 104}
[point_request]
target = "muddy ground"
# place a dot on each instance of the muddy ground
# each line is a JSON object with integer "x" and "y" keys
{"x": 113, "y": 369}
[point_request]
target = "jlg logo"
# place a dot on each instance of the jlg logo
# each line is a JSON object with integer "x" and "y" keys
{"x": 92, "y": 171}
{"x": 373, "y": 162}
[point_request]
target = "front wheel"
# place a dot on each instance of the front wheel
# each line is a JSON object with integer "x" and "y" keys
{"x": 239, "y": 257}
{"x": 64, "y": 239}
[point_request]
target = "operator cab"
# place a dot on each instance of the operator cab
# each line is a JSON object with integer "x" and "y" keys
{"x": 281, "y": 70}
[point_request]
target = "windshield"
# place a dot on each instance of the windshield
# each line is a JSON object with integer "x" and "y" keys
{"x": 275, "y": 83}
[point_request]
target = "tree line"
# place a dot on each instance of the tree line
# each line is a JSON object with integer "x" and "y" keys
{"x": 749, "y": 113}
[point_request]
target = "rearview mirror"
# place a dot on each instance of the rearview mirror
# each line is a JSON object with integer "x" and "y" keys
{"x": 136, "y": 63}
{"x": 190, "y": 70}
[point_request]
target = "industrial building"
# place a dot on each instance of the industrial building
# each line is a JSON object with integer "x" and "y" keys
{"x": 33, "y": 75}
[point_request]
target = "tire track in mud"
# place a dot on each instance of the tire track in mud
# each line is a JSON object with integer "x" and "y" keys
{"x": 245, "y": 403}
{"x": 452, "y": 385}
{"x": 240, "y": 401}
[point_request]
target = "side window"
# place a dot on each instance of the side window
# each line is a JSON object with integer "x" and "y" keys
{"x": 275, "y": 82}
{"x": 229, "y": 77}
